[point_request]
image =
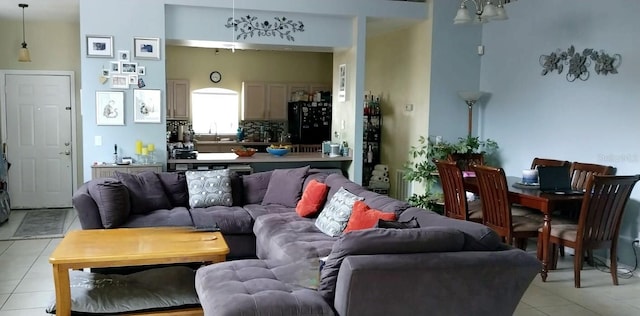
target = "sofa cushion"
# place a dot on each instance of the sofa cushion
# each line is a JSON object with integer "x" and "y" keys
{"x": 105, "y": 294}
{"x": 112, "y": 198}
{"x": 335, "y": 215}
{"x": 209, "y": 188}
{"x": 313, "y": 197}
{"x": 383, "y": 202}
{"x": 336, "y": 181}
{"x": 285, "y": 186}
{"x": 145, "y": 191}
{"x": 175, "y": 185}
{"x": 411, "y": 223}
{"x": 258, "y": 287}
{"x": 177, "y": 216}
{"x": 385, "y": 241}
{"x": 257, "y": 210}
{"x": 289, "y": 237}
{"x": 255, "y": 186}
{"x": 477, "y": 237}
{"x": 230, "y": 219}
{"x": 363, "y": 217}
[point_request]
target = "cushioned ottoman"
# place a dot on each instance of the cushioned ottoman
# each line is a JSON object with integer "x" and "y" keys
{"x": 260, "y": 287}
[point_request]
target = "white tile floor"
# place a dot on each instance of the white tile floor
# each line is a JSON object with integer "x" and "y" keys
{"x": 26, "y": 282}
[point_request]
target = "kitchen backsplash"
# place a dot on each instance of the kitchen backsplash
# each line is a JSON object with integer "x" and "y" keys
{"x": 252, "y": 129}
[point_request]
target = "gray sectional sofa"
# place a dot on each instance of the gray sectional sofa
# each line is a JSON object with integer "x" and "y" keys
{"x": 445, "y": 267}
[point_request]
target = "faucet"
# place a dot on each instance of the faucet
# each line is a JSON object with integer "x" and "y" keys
{"x": 215, "y": 125}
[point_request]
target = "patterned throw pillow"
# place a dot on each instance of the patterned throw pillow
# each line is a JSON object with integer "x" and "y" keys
{"x": 335, "y": 215}
{"x": 209, "y": 188}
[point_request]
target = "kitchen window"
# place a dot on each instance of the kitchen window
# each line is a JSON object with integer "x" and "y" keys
{"x": 215, "y": 111}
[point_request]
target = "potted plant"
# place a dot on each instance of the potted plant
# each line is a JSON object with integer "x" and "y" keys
{"x": 420, "y": 168}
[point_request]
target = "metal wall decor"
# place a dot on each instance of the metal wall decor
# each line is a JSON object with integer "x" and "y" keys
{"x": 579, "y": 63}
{"x": 248, "y": 26}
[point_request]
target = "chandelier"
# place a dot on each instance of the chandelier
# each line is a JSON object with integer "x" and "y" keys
{"x": 484, "y": 11}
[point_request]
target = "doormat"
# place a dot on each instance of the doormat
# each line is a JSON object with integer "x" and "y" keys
{"x": 41, "y": 224}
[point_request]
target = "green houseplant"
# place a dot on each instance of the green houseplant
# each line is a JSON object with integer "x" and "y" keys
{"x": 420, "y": 168}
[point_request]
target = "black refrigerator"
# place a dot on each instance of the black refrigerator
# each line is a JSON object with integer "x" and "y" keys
{"x": 309, "y": 122}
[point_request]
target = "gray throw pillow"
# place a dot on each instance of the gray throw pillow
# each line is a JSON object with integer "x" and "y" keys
{"x": 255, "y": 186}
{"x": 285, "y": 187}
{"x": 175, "y": 185}
{"x": 112, "y": 199}
{"x": 385, "y": 241}
{"x": 145, "y": 191}
{"x": 209, "y": 188}
{"x": 335, "y": 215}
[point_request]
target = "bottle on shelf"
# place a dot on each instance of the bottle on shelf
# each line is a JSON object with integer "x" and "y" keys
{"x": 370, "y": 155}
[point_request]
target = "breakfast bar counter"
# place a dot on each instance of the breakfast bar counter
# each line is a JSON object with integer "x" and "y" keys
{"x": 259, "y": 161}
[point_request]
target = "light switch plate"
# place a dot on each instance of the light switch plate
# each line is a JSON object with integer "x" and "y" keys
{"x": 97, "y": 140}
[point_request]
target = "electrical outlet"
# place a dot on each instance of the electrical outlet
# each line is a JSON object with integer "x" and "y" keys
{"x": 408, "y": 107}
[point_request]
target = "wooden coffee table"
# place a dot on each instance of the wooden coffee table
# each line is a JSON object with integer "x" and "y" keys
{"x": 100, "y": 248}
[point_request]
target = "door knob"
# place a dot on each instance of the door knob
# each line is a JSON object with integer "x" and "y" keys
{"x": 66, "y": 143}
{"x": 66, "y": 152}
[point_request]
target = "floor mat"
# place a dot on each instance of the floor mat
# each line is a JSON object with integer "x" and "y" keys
{"x": 41, "y": 224}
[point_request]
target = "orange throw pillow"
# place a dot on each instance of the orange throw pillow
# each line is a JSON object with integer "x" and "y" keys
{"x": 313, "y": 198}
{"x": 363, "y": 217}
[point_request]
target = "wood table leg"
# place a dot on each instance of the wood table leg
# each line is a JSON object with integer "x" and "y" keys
{"x": 63, "y": 290}
{"x": 546, "y": 233}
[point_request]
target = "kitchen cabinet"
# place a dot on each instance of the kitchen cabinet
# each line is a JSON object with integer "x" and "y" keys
{"x": 107, "y": 171}
{"x": 264, "y": 101}
{"x": 178, "y": 105}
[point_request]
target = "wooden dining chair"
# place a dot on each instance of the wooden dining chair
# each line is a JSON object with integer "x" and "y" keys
{"x": 548, "y": 162}
{"x": 496, "y": 208}
{"x": 309, "y": 148}
{"x": 599, "y": 223}
{"x": 465, "y": 161}
{"x": 455, "y": 197}
{"x": 580, "y": 172}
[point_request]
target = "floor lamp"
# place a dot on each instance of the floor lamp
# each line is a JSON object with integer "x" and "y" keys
{"x": 470, "y": 97}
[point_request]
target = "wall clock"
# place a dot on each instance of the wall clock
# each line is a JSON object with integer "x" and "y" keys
{"x": 215, "y": 76}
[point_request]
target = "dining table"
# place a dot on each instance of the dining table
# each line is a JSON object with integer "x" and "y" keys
{"x": 530, "y": 196}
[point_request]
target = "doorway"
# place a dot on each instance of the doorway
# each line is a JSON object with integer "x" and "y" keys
{"x": 38, "y": 137}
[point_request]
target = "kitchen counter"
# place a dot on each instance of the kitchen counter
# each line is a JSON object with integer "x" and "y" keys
{"x": 259, "y": 161}
{"x": 232, "y": 142}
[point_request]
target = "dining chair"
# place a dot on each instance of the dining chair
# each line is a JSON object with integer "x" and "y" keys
{"x": 309, "y": 148}
{"x": 456, "y": 204}
{"x": 580, "y": 172}
{"x": 465, "y": 161}
{"x": 548, "y": 162}
{"x": 496, "y": 208}
{"x": 598, "y": 225}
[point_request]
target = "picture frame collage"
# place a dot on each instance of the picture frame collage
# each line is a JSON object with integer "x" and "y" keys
{"x": 123, "y": 73}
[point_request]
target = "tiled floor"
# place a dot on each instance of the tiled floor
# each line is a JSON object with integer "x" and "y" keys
{"x": 26, "y": 282}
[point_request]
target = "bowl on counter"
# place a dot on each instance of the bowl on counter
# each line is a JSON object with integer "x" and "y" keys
{"x": 277, "y": 151}
{"x": 244, "y": 152}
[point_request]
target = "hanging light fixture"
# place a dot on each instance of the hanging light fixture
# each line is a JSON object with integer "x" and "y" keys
{"x": 484, "y": 11}
{"x": 24, "y": 55}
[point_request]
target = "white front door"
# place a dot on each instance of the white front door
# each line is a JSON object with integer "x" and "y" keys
{"x": 38, "y": 136}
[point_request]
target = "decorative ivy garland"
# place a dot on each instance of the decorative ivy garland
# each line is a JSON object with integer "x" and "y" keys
{"x": 248, "y": 26}
{"x": 579, "y": 63}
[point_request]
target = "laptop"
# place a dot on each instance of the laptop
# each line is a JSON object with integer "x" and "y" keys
{"x": 556, "y": 180}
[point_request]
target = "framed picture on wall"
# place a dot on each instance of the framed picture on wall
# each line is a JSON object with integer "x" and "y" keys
{"x": 114, "y": 67}
{"x": 120, "y": 81}
{"x": 109, "y": 108}
{"x": 146, "y": 106}
{"x": 146, "y": 48}
{"x": 99, "y": 46}
{"x": 128, "y": 68}
{"x": 342, "y": 83}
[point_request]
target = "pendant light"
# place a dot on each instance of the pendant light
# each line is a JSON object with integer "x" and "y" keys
{"x": 24, "y": 55}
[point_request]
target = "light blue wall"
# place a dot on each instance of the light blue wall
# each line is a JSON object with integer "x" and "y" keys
{"x": 455, "y": 66}
{"x": 125, "y": 20}
{"x": 593, "y": 121}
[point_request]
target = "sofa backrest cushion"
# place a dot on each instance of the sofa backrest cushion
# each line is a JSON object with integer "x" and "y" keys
{"x": 314, "y": 174}
{"x": 285, "y": 186}
{"x": 145, "y": 191}
{"x": 384, "y": 203}
{"x": 112, "y": 198}
{"x": 313, "y": 198}
{"x": 363, "y": 217}
{"x": 336, "y": 181}
{"x": 385, "y": 241}
{"x": 175, "y": 185}
{"x": 334, "y": 216}
{"x": 477, "y": 237}
{"x": 255, "y": 186}
{"x": 209, "y": 188}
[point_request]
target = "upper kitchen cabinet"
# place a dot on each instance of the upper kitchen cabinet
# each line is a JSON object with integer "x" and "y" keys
{"x": 264, "y": 101}
{"x": 178, "y": 105}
